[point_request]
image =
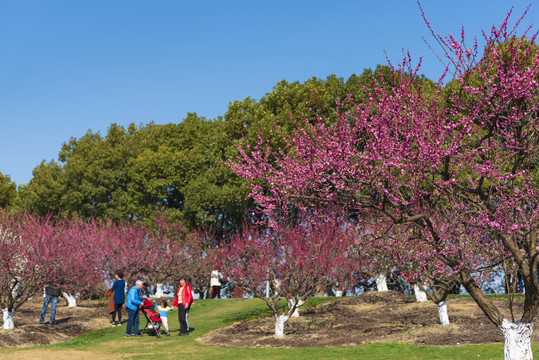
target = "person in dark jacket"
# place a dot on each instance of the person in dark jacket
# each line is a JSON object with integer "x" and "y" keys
{"x": 52, "y": 292}
{"x": 119, "y": 297}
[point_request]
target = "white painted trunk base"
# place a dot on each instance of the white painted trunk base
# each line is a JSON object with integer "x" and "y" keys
{"x": 71, "y": 299}
{"x": 279, "y": 325}
{"x": 442, "y": 311}
{"x": 338, "y": 293}
{"x": 291, "y": 303}
{"x": 518, "y": 338}
{"x": 381, "y": 283}
{"x": 420, "y": 295}
{"x": 159, "y": 290}
{"x": 8, "y": 319}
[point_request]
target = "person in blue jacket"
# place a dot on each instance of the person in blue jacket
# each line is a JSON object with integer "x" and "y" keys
{"x": 133, "y": 302}
{"x": 119, "y": 298}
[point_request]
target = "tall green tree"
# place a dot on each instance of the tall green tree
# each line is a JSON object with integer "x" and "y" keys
{"x": 179, "y": 168}
{"x": 8, "y": 191}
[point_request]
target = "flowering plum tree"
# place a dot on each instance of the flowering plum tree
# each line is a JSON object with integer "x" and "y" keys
{"x": 27, "y": 260}
{"x": 79, "y": 258}
{"x": 200, "y": 256}
{"x": 465, "y": 154}
{"x": 167, "y": 241}
{"x": 295, "y": 260}
{"x": 127, "y": 247}
{"x": 353, "y": 269}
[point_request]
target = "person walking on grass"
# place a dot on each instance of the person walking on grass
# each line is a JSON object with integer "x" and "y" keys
{"x": 133, "y": 302}
{"x": 183, "y": 301}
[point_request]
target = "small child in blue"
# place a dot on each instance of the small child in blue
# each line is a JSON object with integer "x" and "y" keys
{"x": 163, "y": 313}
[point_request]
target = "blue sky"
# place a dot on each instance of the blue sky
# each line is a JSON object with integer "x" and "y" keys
{"x": 67, "y": 66}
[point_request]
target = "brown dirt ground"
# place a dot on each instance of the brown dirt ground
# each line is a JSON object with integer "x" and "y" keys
{"x": 71, "y": 322}
{"x": 370, "y": 317}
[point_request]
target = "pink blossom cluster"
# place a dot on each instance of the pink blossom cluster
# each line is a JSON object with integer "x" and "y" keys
{"x": 294, "y": 261}
{"x": 451, "y": 172}
{"x": 80, "y": 255}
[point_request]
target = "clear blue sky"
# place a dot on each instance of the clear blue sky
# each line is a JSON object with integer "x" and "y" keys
{"x": 69, "y": 66}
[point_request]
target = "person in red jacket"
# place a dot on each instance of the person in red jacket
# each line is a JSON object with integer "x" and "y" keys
{"x": 183, "y": 301}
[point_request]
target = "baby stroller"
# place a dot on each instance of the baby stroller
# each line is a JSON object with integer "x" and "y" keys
{"x": 154, "y": 325}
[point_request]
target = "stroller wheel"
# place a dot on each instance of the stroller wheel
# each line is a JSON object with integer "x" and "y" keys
{"x": 158, "y": 335}
{"x": 167, "y": 334}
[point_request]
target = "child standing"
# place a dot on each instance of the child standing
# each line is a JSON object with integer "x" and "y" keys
{"x": 163, "y": 313}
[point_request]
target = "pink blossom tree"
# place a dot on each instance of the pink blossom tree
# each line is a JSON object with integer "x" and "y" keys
{"x": 353, "y": 268}
{"x": 434, "y": 161}
{"x": 127, "y": 247}
{"x": 294, "y": 260}
{"x": 168, "y": 241}
{"x": 28, "y": 259}
{"x": 200, "y": 255}
{"x": 80, "y": 259}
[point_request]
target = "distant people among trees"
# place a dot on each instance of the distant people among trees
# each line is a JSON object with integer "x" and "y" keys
{"x": 52, "y": 292}
{"x": 215, "y": 283}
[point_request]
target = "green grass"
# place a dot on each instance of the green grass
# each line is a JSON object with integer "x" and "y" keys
{"x": 207, "y": 315}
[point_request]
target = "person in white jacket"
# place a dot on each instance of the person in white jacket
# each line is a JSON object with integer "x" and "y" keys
{"x": 215, "y": 283}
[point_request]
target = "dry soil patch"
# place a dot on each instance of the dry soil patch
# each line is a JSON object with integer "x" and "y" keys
{"x": 371, "y": 317}
{"x": 70, "y": 322}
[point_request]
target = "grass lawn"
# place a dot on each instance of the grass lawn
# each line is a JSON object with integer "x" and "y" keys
{"x": 207, "y": 315}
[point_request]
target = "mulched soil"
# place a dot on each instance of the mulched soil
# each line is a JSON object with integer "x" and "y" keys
{"x": 371, "y": 317}
{"x": 70, "y": 322}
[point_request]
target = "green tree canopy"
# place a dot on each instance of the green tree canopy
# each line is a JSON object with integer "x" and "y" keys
{"x": 8, "y": 191}
{"x": 179, "y": 168}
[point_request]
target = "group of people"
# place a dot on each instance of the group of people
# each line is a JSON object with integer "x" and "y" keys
{"x": 182, "y": 301}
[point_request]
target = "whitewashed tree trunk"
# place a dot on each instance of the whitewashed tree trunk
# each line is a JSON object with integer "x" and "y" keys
{"x": 518, "y": 337}
{"x": 279, "y": 325}
{"x": 159, "y": 290}
{"x": 8, "y": 319}
{"x": 338, "y": 293}
{"x": 420, "y": 295}
{"x": 71, "y": 299}
{"x": 442, "y": 311}
{"x": 267, "y": 289}
{"x": 291, "y": 303}
{"x": 381, "y": 283}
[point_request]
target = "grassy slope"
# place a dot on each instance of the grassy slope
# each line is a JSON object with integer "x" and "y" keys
{"x": 207, "y": 315}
